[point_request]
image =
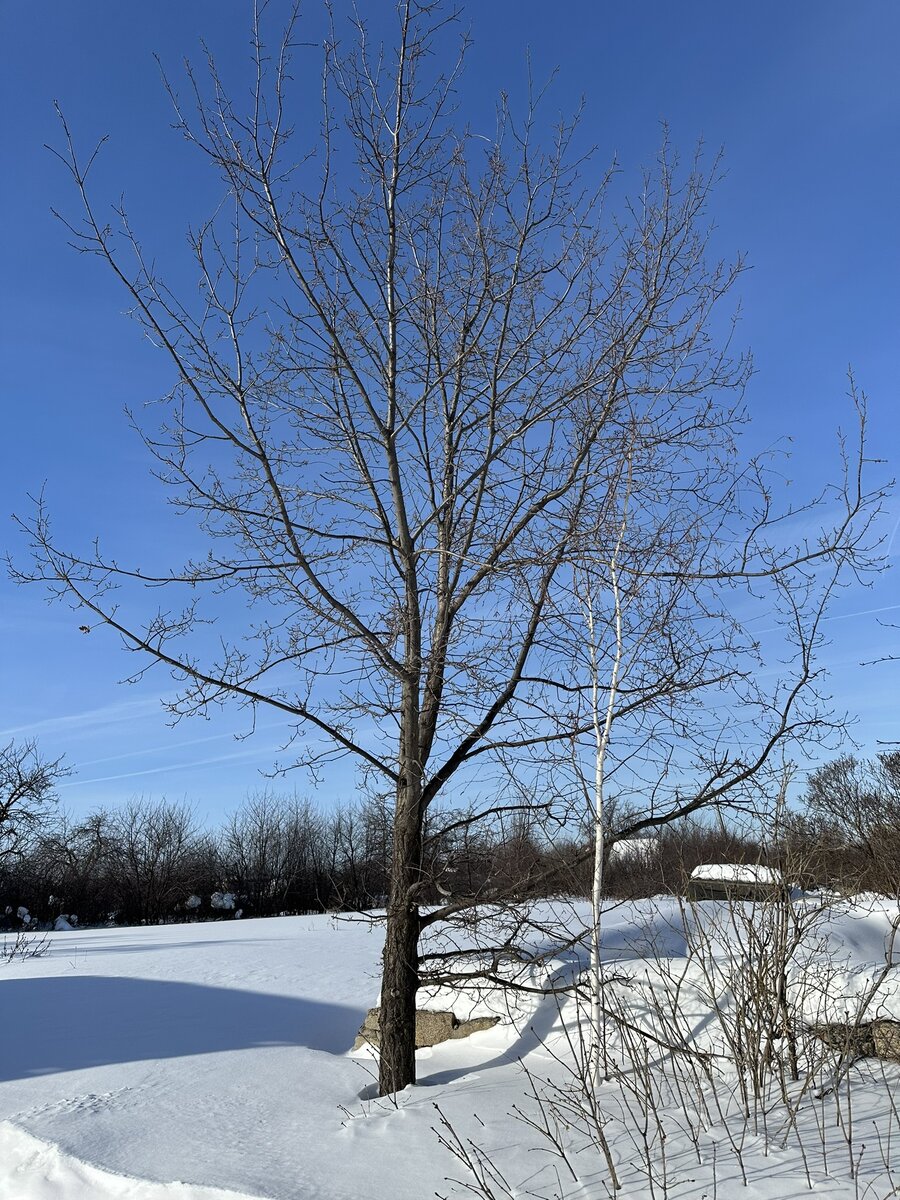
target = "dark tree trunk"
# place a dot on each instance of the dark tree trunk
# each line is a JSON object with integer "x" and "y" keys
{"x": 400, "y": 982}
{"x": 400, "y": 974}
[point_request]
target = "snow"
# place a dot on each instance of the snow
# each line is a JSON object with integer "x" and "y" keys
{"x": 633, "y": 850}
{"x": 41, "y": 1171}
{"x": 61, "y": 923}
{"x": 211, "y": 1061}
{"x": 737, "y": 873}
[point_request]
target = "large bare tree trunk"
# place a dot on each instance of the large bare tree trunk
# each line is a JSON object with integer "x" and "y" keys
{"x": 399, "y": 983}
{"x": 400, "y": 965}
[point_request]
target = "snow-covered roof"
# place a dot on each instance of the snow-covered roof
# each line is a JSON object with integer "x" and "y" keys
{"x": 737, "y": 873}
{"x": 642, "y": 848}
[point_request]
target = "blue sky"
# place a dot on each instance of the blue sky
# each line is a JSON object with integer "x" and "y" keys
{"x": 803, "y": 97}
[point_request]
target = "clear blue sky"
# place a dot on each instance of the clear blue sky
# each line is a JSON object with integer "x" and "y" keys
{"x": 802, "y": 96}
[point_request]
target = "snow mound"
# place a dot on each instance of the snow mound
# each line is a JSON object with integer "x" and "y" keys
{"x": 31, "y": 1169}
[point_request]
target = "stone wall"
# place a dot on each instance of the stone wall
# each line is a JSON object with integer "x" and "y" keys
{"x": 432, "y": 1027}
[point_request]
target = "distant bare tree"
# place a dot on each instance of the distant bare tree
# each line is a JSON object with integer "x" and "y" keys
{"x": 254, "y": 852}
{"x": 850, "y": 822}
{"x": 402, "y": 400}
{"x": 271, "y": 851}
{"x": 357, "y": 854}
{"x": 69, "y": 869}
{"x": 151, "y": 848}
{"x": 27, "y": 791}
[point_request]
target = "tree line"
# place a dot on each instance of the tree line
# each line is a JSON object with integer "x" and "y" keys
{"x": 149, "y": 861}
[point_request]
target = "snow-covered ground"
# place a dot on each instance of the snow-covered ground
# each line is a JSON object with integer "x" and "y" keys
{"x": 207, "y": 1061}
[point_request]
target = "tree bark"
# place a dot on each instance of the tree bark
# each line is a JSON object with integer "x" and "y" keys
{"x": 399, "y": 984}
{"x": 400, "y": 967}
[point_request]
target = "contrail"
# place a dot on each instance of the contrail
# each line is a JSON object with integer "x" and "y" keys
{"x": 128, "y": 710}
{"x": 203, "y": 762}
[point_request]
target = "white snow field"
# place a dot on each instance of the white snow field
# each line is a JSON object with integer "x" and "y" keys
{"x": 211, "y": 1061}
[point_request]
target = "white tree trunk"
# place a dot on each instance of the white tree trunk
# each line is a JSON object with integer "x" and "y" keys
{"x": 602, "y": 720}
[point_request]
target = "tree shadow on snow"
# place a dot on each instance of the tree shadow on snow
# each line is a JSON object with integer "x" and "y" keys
{"x": 72, "y": 946}
{"x": 68, "y": 1023}
{"x": 530, "y": 1037}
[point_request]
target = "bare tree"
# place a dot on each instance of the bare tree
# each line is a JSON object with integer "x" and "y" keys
{"x": 603, "y": 710}
{"x": 256, "y": 853}
{"x": 27, "y": 791}
{"x": 850, "y": 823}
{"x": 152, "y": 847}
{"x": 417, "y": 362}
{"x": 71, "y": 870}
